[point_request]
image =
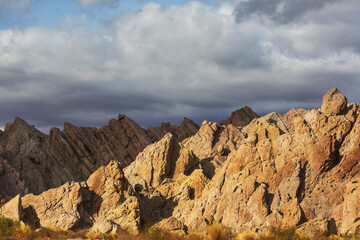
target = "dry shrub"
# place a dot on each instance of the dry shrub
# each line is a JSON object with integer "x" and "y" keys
{"x": 8, "y": 227}
{"x": 47, "y": 233}
{"x": 99, "y": 235}
{"x": 154, "y": 233}
{"x": 194, "y": 236}
{"x": 23, "y": 232}
{"x": 288, "y": 233}
{"x": 217, "y": 231}
{"x": 248, "y": 235}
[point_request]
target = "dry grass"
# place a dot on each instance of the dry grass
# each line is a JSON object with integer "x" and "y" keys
{"x": 217, "y": 231}
{"x": 23, "y": 232}
{"x": 282, "y": 234}
{"x": 248, "y": 235}
{"x": 14, "y": 230}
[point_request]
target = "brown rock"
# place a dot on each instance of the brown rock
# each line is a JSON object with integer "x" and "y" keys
{"x": 351, "y": 207}
{"x": 318, "y": 227}
{"x": 171, "y": 225}
{"x": 12, "y": 209}
{"x": 113, "y": 206}
{"x": 287, "y": 191}
{"x": 186, "y": 129}
{"x": 241, "y": 117}
{"x": 334, "y": 103}
{"x": 62, "y": 202}
{"x": 104, "y": 203}
{"x": 257, "y": 205}
{"x": 153, "y": 164}
{"x": 292, "y": 213}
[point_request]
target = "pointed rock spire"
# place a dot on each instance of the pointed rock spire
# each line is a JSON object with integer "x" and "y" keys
{"x": 240, "y": 117}
{"x": 334, "y": 103}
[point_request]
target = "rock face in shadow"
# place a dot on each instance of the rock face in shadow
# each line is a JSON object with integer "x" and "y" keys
{"x": 33, "y": 162}
{"x": 300, "y": 169}
{"x": 240, "y": 117}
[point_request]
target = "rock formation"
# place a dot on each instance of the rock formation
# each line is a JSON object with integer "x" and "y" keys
{"x": 240, "y": 117}
{"x": 298, "y": 169}
{"x": 33, "y": 162}
{"x": 105, "y": 203}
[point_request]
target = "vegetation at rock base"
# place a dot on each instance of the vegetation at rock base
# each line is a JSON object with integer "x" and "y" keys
{"x": 10, "y": 229}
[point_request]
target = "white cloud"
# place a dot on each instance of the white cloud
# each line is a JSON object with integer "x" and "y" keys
{"x": 163, "y": 63}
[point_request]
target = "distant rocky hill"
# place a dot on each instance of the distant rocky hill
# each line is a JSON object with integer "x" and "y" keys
{"x": 298, "y": 169}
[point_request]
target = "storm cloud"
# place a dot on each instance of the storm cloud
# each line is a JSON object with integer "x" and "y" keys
{"x": 198, "y": 61}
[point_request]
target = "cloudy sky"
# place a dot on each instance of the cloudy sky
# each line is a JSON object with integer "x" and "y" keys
{"x": 85, "y": 61}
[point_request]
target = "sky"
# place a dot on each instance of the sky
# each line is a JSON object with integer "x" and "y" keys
{"x": 85, "y": 61}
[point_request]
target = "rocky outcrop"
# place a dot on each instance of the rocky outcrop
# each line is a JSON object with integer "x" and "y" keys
{"x": 165, "y": 174}
{"x": 240, "y": 117}
{"x": 334, "y": 103}
{"x": 286, "y": 174}
{"x": 279, "y": 170}
{"x": 300, "y": 169}
{"x": 105, "y": 203}
{"x": 12, "y": 209}
{"x": 33, "y": 162}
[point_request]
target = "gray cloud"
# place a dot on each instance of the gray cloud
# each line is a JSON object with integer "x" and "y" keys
{"x": 164, "y": 63}
{"x": 281, "y": 11}
{"x": 20, "y": 4}
{"x": 86, "y": 3}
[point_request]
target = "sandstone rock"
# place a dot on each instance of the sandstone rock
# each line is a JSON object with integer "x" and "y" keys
{"x": 114, "y": 204}
{"x": 334, "y": 103}
{"x": 104, "y": 203}
{"x": 291, "y": 115}
{"x": 318, "y": 227}
{"x": 12, "y": 209}
{"x": 287, "y": 191}
{"x": 292, "y": 213}
{"x": 62, "y": 202}
{"x": 171, "y": 225}
{"x": 153, "y": 164}
{"x": 351, "y": 207}
{"x": 257, "y": 205}
{"x": 241, "y": 117}
{"x": 212, "y": 144}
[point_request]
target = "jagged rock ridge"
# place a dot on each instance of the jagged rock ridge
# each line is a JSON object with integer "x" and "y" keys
{"x": 33, "y": 162}
{"x": 298, "y": 169}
